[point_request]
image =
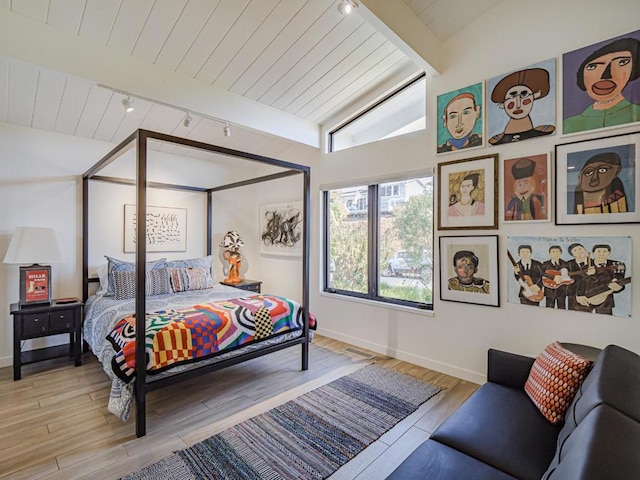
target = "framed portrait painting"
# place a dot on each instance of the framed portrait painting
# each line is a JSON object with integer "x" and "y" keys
{"x": 468, "y": 193}
{"x": 469, "y": 270}
{"x": 522, "y": 104}
{"x": 597, "y": 180}
{"x": 526, "y": 189}
{"x": 460, "y": 113}
{"x": 601, "y": 85}
{"x": 281, "y": 229}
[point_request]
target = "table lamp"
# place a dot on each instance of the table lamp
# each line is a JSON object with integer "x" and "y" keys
{"x": 232, "y": 242}
{"x": 34, "y": 246}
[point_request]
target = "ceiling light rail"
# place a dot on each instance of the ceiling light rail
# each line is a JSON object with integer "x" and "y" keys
{"x": 129, "y": 105}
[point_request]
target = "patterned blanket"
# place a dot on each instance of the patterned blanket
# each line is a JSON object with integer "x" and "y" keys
{"x": 204, "y": 330}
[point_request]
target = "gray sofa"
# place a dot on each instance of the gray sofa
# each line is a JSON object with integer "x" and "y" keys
{"x": 499, "y": 434}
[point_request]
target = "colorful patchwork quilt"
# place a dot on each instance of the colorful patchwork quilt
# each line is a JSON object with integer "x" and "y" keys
{"x": 201, "y": 331}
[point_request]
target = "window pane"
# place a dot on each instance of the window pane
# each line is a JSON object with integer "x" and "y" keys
{"x": 406, "y": 240}
{"x": 348, "y": 239}
{"x": 403, "y": 112}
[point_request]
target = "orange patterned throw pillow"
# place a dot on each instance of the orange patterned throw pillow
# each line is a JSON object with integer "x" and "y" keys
{"x": 554, "y": 379}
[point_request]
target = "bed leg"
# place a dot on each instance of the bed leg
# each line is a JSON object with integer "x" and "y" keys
{"x": 305, "y": 356}
{"x": 141, "y": 412}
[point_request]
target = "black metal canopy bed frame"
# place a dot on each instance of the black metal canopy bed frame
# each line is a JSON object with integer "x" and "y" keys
{"x": 140, "y": 141}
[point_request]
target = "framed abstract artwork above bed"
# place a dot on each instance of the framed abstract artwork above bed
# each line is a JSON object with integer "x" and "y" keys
{"x": 166, "y": 229}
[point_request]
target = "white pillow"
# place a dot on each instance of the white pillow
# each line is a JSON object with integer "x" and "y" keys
{"x": 102, "y": 272}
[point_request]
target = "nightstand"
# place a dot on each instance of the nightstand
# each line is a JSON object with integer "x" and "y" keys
{"x": 36, "y": 321}
{"x": 246, "y": 284}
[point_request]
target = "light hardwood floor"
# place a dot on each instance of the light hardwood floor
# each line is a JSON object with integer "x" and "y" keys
{"x": 54, "y": 423}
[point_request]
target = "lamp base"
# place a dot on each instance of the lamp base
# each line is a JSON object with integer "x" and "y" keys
{"x": 233, "y": 281}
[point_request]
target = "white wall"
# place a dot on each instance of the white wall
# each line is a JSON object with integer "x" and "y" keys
{"x": 455, "y": 339}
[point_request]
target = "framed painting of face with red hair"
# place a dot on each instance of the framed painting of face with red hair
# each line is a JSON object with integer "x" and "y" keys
{"x": 460, "y": 123}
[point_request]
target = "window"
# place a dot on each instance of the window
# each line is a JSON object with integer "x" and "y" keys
{"x": 379, "y": 241}
{"x": 400, "y": 112}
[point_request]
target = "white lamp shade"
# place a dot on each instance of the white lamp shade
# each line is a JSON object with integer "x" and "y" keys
{"x": 34, "y": 245}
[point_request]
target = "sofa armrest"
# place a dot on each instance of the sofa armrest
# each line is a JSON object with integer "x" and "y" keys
{"x": 508, "y": 369}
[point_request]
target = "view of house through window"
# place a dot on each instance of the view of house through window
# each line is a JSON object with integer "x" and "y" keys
{"x": 401, "y": 112}
{"x": 380, "y": 241}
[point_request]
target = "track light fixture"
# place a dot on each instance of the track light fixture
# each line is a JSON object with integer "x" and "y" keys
{"x": 127, "y": 103}
{"x": 346, "y": 7}
{"x": 227, "y": 130}
{"x": 187, "y": 120}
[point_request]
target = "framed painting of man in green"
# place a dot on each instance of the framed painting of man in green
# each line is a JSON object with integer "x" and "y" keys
{"x": 460, "y": 119}
{"x": 600, "y": 85}
{"x": 597, "y": 180}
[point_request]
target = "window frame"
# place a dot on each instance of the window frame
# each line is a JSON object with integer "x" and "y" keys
{"x": 372, "y": 107}
{"x": 373, "y": 252}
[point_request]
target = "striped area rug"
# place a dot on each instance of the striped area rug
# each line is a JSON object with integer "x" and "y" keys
{"x": 309, "y": 437}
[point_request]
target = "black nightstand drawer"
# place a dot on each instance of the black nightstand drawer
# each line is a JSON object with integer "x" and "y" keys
{"x": 61, "y": 320}
{"x": 34, "y": 324}
{"x": 252, "y": 288}
{"x": 246, "y": 284}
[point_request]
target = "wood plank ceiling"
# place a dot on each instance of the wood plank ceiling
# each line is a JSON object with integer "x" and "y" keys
{"x": 298, "y": 57}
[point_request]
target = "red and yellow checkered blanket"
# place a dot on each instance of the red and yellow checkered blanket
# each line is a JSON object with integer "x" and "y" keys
{"x": 201, "y": 331}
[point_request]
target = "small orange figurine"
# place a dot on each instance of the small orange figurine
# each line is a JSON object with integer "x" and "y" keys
{"x": 232, "y": 243}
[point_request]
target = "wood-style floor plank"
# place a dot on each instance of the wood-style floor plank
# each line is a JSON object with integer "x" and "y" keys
{"x": 54, "y": 423}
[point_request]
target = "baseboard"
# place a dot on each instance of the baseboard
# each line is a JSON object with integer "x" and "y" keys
{"x": 6, "y": 361}
{"x": 454, "y": 371}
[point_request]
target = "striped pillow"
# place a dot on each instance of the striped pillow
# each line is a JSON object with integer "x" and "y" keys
{"x": 196, "y": 278}
{"x": 157, "y": 283}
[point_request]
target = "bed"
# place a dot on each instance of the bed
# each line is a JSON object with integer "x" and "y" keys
{"x": 125, "y": 357}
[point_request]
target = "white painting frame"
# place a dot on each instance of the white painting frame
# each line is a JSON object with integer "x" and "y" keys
{"x": 166, "y": 229}
{"x": 281, "y": 229}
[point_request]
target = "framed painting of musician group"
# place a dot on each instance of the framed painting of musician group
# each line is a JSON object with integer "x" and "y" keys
{"x": 582, "y": 274}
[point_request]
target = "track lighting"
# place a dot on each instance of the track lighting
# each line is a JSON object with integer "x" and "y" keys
{"x": 127, "y": 103}
{"x": 187, "y": 120}
{"x": 346, "y": 7}
{"x": 227, "y": 130}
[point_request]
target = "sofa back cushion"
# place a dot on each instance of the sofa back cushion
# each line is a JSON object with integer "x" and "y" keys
{"x": 604, "y": 445}
{"x": 555, "y": 377}
{"x": 614, "y": 380}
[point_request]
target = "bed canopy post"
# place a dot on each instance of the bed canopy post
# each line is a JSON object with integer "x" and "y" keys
{"x": 85, "y": 238}
{"x": 141, "y": 259}
{"x": 305, "y": 267}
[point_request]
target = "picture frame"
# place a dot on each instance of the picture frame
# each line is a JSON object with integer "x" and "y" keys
{"x": 554, "y": 273}
{"x": 579, "y": 199}
{"x": 461, "y": 119}
{"x": 521, "y": 104}
{"x": 468, "y": 193}
{"x": 469, "y": 269}
{"x": 591, "y": 101}
{"x": 526, "y": 189}
{"x": 281, "y": 229}
{"x": 166, "y": 229}
{"x": 35, "y": 285}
